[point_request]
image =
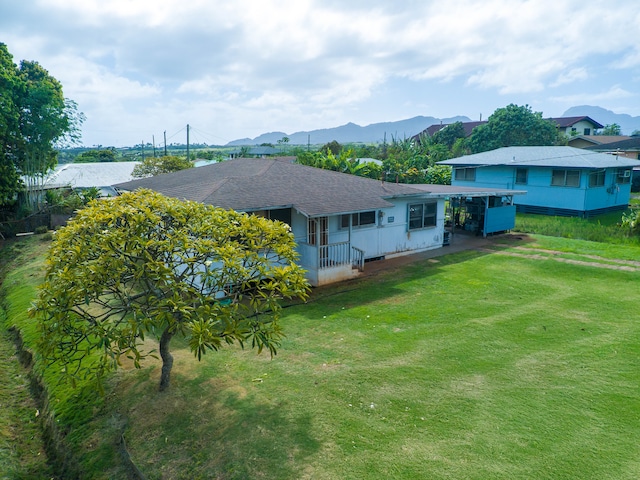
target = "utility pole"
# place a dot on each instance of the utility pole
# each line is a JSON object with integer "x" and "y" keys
{"x": 153, "y": 139}
{"x": 187, "y": 141}
{"x": 142, "y": 148}
{"x": 165, "y": 143}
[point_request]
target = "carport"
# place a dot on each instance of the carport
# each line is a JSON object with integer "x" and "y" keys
{"x": 478, "y": 211}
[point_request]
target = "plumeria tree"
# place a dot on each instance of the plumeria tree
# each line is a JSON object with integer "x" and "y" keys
{"x": 144, "y": 264}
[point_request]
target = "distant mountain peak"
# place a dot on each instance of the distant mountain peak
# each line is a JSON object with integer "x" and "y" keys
{"x": 352, "y": 132}
{"x": 377, "y": 132}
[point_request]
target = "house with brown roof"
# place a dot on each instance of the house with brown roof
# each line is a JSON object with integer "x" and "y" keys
{"x": 570, "y": 126}
{"x": 433, "y": 129}
{"x": 583, "y": 125}
{"x": 585, "y": 141}
{"x": 628, "y": 147}
{"x": 339, "y": 221}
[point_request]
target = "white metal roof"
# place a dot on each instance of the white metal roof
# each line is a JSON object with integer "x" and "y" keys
{"x": 84, "y": 175}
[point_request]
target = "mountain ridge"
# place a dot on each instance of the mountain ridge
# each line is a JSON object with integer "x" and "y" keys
{"x": 351, "y": 132}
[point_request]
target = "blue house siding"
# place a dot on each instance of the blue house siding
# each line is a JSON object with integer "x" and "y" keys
{"x": 542, "y": 197}
{"x": 500, "y": 219}
{"x": 559, "y": 180}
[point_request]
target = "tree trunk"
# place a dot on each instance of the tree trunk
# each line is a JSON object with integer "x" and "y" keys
{"x": 167, "y": 358}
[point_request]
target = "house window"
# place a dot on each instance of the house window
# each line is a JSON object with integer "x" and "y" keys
{"x": 596, "y": 179}
{"x": 466, "y": 174}
{"x": 624, "y": 176}
{"x": 521, "y": 176}
{"x": 565, "y": 178}
{"x": 422, "y": 215}
{"x": 587, "y": 131}
{"x": 359, "y": 219}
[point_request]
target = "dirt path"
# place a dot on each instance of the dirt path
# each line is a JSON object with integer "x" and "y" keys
{"x": 564, "y": 257}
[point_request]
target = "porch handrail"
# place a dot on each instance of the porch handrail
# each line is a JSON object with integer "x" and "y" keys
{"x": 358, "y": 258}
{"x": 329, "y": 256}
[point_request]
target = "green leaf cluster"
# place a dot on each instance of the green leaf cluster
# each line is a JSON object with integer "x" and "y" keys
{"x": 152, "y": 166}
{"x": 34, "y": 119}
{"x": 514, "y": 125}
{"x": 143, "y": 264}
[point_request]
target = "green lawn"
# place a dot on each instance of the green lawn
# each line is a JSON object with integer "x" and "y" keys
{"x": 519, "y": 362}
{"x": 479, "y": 366}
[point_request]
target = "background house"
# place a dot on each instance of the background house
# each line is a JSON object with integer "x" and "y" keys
{"x": 585, "y": 141}
{"x": 100, "y": 175}
{"x": 583, "y": 125}
{"x": 570, "y": 126}
{"x": 433, "y": 129}
{"x": 628, "y": 147}
{"x": 339, "y": 221}
{"x": 558, "y": 180}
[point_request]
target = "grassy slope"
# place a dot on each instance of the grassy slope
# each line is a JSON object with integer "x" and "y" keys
{"x": 478, "y": 366}
{"x": 21, "y": 450}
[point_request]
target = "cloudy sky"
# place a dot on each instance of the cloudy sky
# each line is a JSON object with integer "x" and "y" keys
{"x": 240, "y": 68}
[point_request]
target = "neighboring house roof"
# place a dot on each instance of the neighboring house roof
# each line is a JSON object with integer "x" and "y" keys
{"x": 630, "y": 144}
{"x": 597, "y": 139}
{"x": 563, "y": 157}
{"x": 564, "y": 122}
{"x": 433, "y": 129}
{"x": 249, "y": 184}
{"x": 85, "y": 175}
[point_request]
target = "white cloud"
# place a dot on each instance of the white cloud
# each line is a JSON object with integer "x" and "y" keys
{"x": 570, "y": 77}
{"x": 616, "y": 92}
{"x": 279, "y": 64}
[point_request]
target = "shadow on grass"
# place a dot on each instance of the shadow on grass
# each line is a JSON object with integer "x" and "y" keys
{"x": 207, "y": 427}
{"x": 385, "y": 283}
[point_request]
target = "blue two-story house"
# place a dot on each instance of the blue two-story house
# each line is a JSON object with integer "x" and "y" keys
{"x": 562, "y": 181}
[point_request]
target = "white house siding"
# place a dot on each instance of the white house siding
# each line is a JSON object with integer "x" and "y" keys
{"x": 580, "y": 128}
{"x": 391, "y": 236}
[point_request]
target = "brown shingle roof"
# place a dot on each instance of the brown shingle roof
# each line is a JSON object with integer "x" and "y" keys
{"x": 248, "y": 184}
{"x": 433, "y": 129}
{"x": 564, "y": 122}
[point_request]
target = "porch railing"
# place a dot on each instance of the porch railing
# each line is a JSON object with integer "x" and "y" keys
{"x": 334, "y": 255}
{"x": 358, "y": 258}
{"x": 328, "y": 256}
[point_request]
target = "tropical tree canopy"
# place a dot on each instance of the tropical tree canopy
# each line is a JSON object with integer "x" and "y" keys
{"x": 34, "y": 119}
{"x": 514, "y": 125}
{"x": 143, "y": 264}
{"x": 612, "y": 129}
{"x": 97, "y": 155}
{"x": 152, "y": 166}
